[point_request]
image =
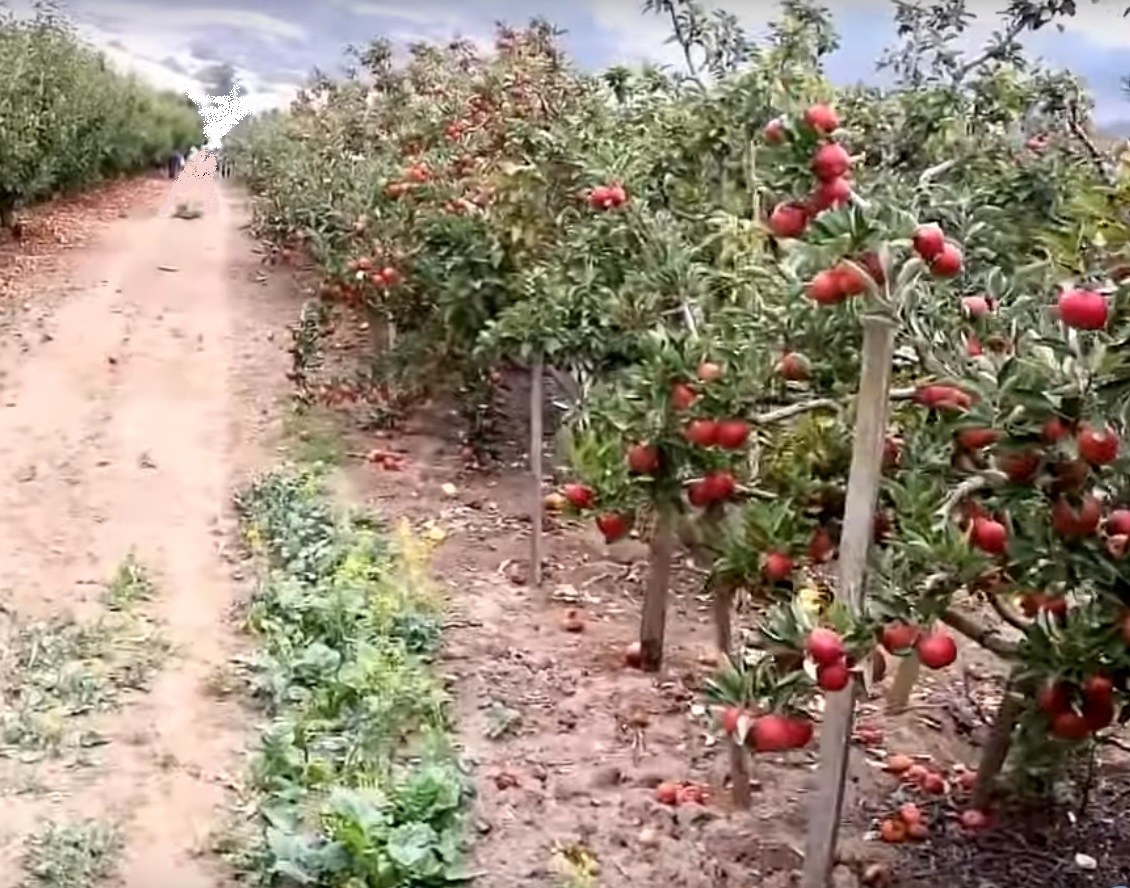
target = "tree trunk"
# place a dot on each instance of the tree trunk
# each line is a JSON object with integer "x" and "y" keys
{"x": 722, "y": 603}
{"x": 996, "y": 750}
{"x": 653, "y": 617}
{"x": 7, "y": 213}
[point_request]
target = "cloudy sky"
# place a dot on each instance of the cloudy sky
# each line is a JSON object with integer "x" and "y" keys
{"x": 276, "y": 42}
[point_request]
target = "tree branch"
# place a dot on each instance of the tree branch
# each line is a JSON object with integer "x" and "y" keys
{"x": 1008, "y": 614}
{"x": 566, "y": 382}
{"x": 783, "y": 413}
{"x": 985, "y": 481}
{"x": 985, "y": 636}
{"x": 1099, "y": 159}
{"x": 684, "y": 43}
{"x": 1011, "y": 33}
{"x": 1115, "y": 742}
{"x": 788, "y": 412}
{"x": 932, "y": 172}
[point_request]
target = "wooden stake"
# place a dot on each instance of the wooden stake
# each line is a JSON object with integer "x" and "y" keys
{"x": 537, "y": 398}
{"x": 379, "y": 332}
{"x": 906, "y": 676}
{"x": 862, "y": 493}
{"x": 653, "y": 616}
{"x": 722, "y": 604}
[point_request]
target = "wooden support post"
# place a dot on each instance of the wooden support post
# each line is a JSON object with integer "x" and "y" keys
{"x": 906, "y": 676}
{"x": 537, "y": 434}
{"x": 871, "y": 417}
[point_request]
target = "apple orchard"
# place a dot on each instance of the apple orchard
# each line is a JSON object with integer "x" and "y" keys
{"x": 871, "y": 337}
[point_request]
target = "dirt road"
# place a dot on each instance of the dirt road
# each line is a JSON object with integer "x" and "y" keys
{"x": 133, "y": 397}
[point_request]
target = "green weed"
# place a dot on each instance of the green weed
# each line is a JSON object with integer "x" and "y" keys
{"x": 130, "y": 585}
{"x": 354, "y": 778}
{"x": 54, "y": 672}
{"x": 72, "y": 855}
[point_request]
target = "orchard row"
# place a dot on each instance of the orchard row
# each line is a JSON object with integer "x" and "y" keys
{"x": 741, "y": 278}
{"x": 70, "y": 120}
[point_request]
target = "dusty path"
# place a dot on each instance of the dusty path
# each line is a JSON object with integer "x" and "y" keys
{"x": 127, "y": 413}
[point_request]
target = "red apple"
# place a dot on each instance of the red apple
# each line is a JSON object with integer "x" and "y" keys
{"x": 822, "y": 118}
{"x": 788, "y": 220}
{"x": 778, "y": 566}
{"x": 1083, "y": 309}
{"x": 613, "y": 525}
{"x": 1099, "y": 447}
{"x": 830, "y": 162}
{"x": 929, "y": 241}
{"x": 643, "y": 459}
{"x": 732, "y": 434}
{"x": 936, "y": 650}
{"x": 824, "y": 646}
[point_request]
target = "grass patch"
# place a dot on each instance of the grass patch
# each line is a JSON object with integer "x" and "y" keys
{"x": 71, "y": 855}
{"x": 355, "y": 782}
{"x": 310, "y": 437}
{"x": 54, "y": 672}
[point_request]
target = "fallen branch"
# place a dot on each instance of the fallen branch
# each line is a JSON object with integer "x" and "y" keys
{"x": 985, "y": 636}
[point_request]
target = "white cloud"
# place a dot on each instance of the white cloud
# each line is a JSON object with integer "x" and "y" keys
{"x": 426, "y": 17}
{"x": 173, "y": 19}
{"x": 426, "y": 22}
{"x": 641, "y": 37}
{"x": 138, "y": 40}
{"x": 143, "y": 54}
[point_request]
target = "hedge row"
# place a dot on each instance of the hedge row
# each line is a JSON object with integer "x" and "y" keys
{"x": 68, "y": 119}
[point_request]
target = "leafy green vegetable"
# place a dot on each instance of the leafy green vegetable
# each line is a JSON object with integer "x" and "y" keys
{"x": 356, "y": 784}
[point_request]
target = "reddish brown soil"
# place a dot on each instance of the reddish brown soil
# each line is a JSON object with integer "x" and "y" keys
{"x": 47, "y": 232}
{"x": 139, "y": 374}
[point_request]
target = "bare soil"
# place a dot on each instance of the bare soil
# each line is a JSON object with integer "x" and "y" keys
{"x": 138, "y": 378}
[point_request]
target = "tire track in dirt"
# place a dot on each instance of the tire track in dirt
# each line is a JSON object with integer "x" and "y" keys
{"x": 124, "y": 429}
